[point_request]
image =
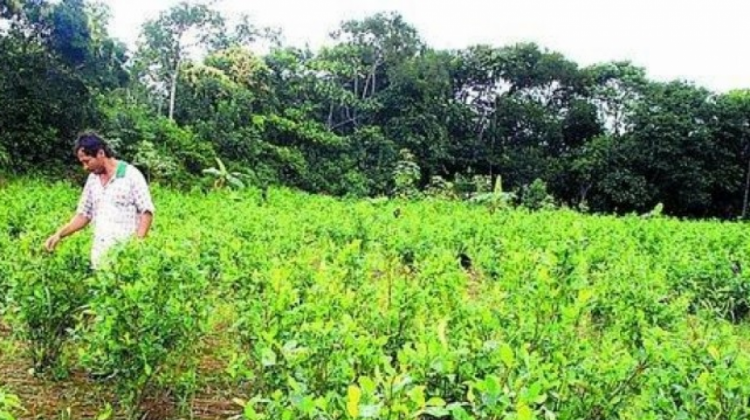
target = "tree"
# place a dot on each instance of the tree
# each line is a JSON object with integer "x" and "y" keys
{"x": 615, "y": 89}
{"x": 167, "y": 41}
{"x": 55, "y": 58}
{"x": 414, "y": 110}
{"x": 357, "y": 67}
{"x": 730, "y": 128}
{"x": 675, "y": 151}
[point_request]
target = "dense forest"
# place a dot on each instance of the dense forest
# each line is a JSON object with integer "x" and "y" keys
{"x": 373, "y": 112}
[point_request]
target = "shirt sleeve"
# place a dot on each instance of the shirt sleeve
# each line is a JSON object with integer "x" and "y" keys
{"x": 86, "y": 202}
{"x": 141, "y": 193}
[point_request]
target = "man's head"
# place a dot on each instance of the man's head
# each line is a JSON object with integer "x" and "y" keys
{"x": 93, "y": 152}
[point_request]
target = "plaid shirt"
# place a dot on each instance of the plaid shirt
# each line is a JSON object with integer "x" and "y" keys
{"x": 114, "y": 208}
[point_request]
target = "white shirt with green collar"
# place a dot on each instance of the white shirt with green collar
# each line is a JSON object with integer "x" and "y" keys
{"x": 114, "y": 209}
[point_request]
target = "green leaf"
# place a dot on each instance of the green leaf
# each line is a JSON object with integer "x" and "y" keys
{"x": 416, "y": 395}
{"x": 353, "y": 397}
{"x": 534, "y": 393}
{"x": 221, "y": 166}
{"x": 307, "y": 405}
{"x": 106, "y": 414}
{"x": 437, "y": 411}
{"x": 524, "y": 412}
{"x": 250, "y": 413}
{"x": 507, "y": 356}
{"x": 236, "y": 182}
{"x": 268, "y": 357}
{"x": 367, "y": 384}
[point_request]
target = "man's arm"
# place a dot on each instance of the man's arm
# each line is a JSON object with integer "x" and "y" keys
{"x": 84, "y": 214}
{"x": 78, "y": 222}
{"x": 143, "y": 203}
{"x": 144, "y": 224}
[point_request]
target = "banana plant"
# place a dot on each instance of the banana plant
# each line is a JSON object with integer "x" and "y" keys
{"x": 497, "y": 199}
{"x": 223, "y": 176}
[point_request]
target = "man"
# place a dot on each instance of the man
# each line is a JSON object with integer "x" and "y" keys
{"x": 116, "y": 199}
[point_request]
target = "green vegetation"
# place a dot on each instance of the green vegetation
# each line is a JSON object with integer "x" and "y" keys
{"x": 9, "y": 404}
{"x": 392, "y": 309}
{"x": 374, "y": 230}
{"x": 341, "y": 120}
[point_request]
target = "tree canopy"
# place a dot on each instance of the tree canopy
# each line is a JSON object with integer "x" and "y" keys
{"x": 341, "y": 119}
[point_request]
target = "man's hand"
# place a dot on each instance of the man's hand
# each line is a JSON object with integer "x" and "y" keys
{"x": 52, "y": 242}
{"x": 77, "y": 223}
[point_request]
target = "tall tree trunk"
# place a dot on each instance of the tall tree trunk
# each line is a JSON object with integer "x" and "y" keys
{"x": 330, "y": 116}
{"x": 583, "y": 192}
{"x": 367, "y": 86}
{"x": 172, "y": 94}
{"x": 173, "y": 88}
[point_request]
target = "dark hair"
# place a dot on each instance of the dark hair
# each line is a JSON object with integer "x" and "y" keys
{"x": 91, "y": 143}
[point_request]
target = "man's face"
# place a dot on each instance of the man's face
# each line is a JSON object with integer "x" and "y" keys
{"x": 92, "y": 164}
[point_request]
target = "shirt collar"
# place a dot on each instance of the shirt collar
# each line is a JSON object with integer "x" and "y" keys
{"x": 121, "y": 167}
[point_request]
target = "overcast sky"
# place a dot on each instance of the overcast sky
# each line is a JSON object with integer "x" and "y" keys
{"x": 704, "y": 41}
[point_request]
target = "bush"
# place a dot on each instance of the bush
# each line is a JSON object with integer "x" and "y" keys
{"x": 158, "y": 145}
{"x": 406, "y": 175}
{"x": 439, "y": 187}
{"x": 536, "y": 197}
{"x": 148, "y": 309}
{"x": 47, "y": 292}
